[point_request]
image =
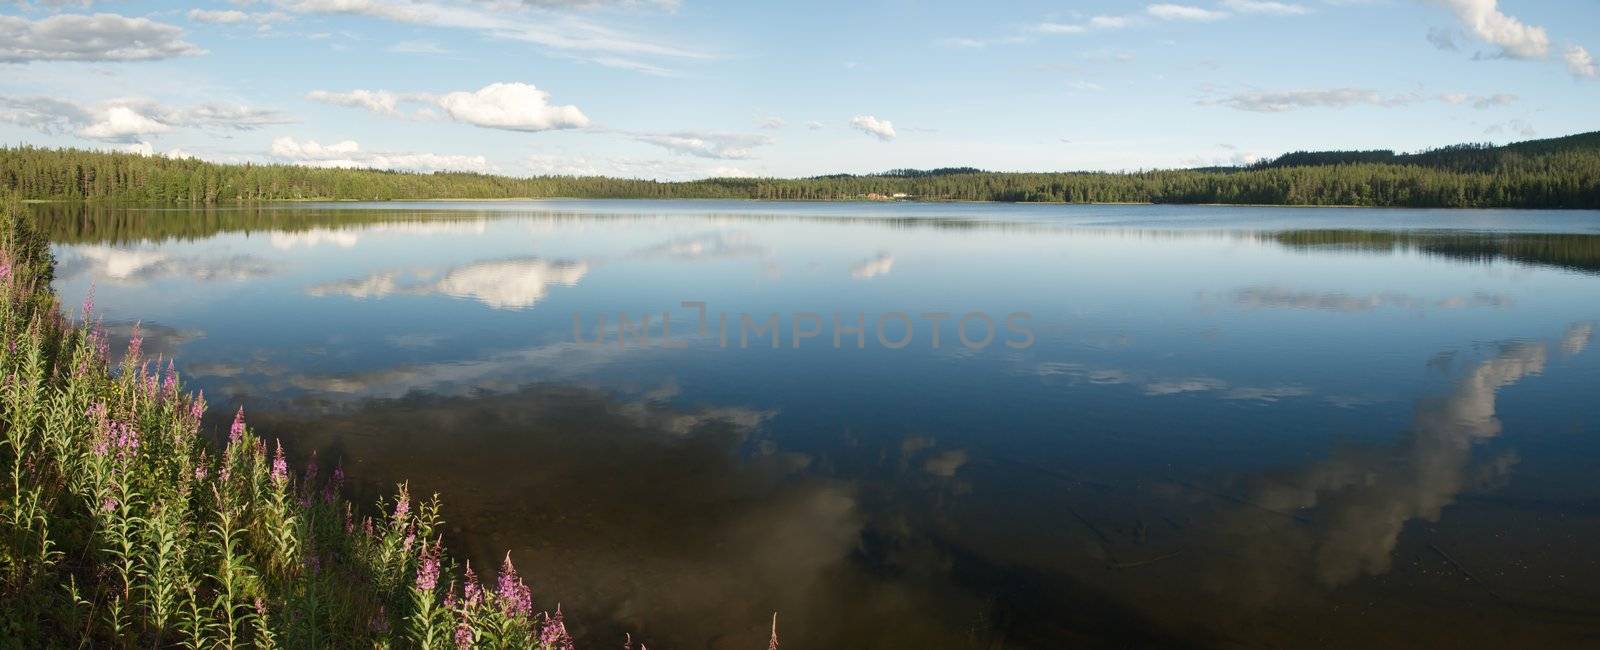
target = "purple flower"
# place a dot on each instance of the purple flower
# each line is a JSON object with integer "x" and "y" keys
{"x": 280, "y": 468}
{"x": 261, "y": 607}
{"x": 428, "y": 570}
{"x": 169, "y": 384}
{"x": 109, "y": 504}
{"x": 463, "y": 636}
{"x": 515, "y": 597}
{"x": 88, "y": 304}
{"x": 5, "y": 271}
{"x": 197, "y": 406}
{"x": 331, "y": 490}
{"x": 554, "y": 633}
{"x": 102, "y": 344}
{"x": 135, "y": 343}
{"x": 237, "y": 430}
{"x": 473, "y": 591}
{"x": 402, "y": 504}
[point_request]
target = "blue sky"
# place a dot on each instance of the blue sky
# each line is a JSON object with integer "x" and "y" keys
{"x": 677, "y": 89}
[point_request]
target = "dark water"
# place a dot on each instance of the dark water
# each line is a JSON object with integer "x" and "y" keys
{"x": 1234, "y": 427}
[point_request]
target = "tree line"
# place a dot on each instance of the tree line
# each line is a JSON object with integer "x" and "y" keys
{"x": 1555, "y": 173}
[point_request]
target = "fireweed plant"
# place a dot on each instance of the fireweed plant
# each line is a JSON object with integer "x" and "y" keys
{"x": 122, "y": 526}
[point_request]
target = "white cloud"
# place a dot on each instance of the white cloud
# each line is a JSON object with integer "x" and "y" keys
{"x": 1060, "y": 28}
{"x": 773, "y": 122}
{"x": 1184, "y": 12}
{"x": 227, "y": 17}
{"x": 1266, "y": 7}
{"x": 236, "y": 17}
{"x": 814, "y": 125}
{"x": 44, "y": 114}
{"x": 100, "y": 37}
{"x": 348, "y": 154}
{"x": 1484, "y": 20}
{"x": 1580, "y": 63}
{"x": 121, "y": 123}
{"x": 287, "y": 147}
{"x": 1289, "y": 100}
{"x": 883, "y": 129}
{"x": 872, "y": 267}
{"x": 377, "y": 101}
{"x": 230, "y": 116}
{"x": 502, "y": 284}
{"x": 572, "y": 34}
{"x": 677, "y": 168}
{"x": 727, "y": 146}
{"x": 1518, "y": 127}
{"x": 1497, "y": 99}
{"x": 124, "y": 120}
{"x": 1109, "y": 22}
{"x": 511, "y": 106}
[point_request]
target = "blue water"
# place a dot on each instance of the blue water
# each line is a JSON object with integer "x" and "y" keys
{"x": 1223, "y": 426}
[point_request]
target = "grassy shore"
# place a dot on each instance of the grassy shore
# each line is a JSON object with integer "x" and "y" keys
{"x": 122, "y": 525}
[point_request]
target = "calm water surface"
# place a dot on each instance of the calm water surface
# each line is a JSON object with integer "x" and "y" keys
{"x": 1235, "y": 427}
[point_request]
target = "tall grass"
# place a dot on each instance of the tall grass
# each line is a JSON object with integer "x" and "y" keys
{"x": 121, "y": 526}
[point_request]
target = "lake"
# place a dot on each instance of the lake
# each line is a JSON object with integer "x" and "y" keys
{"x": 1139, "y": 425}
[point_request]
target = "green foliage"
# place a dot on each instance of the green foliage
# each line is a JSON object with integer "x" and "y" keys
{"x": 1556, "y": 173}
{"x": 121, "y": 526}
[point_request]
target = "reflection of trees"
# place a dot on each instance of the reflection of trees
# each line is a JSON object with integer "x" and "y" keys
{"x": 1568, "y": 251}
{"x": 679, "y": 525}
{"x": 95, "y": 223}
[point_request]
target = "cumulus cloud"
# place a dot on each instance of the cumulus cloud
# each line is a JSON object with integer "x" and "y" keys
{"x": 511, "y": 106}
{"x": 377, "y": 101}
{"x": 1185, "y": 12}
{"x": 1580, "y": 63}
{"x": 121, "y": 123}
{"x": 347, "y": 154}
{"x": 100, "y": 37}
{"x": 1484, "y": 20}
{"x": 726, "y": 146}
{"x": 883, "y": 129}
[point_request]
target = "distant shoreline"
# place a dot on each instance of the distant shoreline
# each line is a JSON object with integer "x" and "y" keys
{"x": 237, "y": 203}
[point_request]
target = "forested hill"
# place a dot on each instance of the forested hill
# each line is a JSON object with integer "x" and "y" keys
{"x": 1555, "y": 173}
{"x": 1461, "y": 157}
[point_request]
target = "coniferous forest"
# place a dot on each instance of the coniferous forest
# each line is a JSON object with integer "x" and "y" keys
{"x": 1553, "y": 173}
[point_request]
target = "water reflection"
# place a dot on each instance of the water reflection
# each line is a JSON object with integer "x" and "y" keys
{"x": 501, "y": 284}
{"x": 1237, "y": 427}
